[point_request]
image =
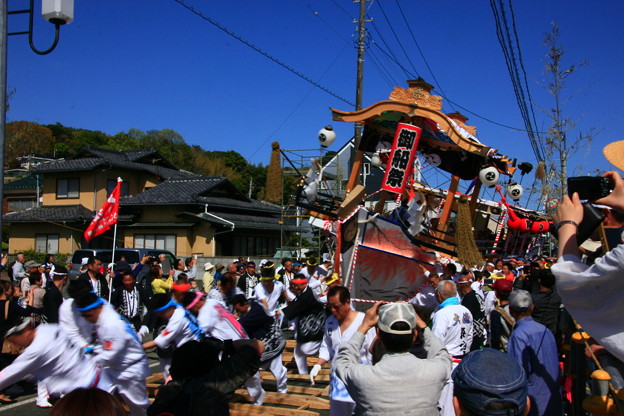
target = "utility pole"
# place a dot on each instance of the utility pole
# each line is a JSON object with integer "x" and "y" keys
{"x": 3, "y": 101}
{"x": 361, "y": 46}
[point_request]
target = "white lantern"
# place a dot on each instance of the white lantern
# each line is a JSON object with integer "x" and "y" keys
{"x": 376, "y": 160}
{"x": 489, "y": 176}
{"x": 433, "y": 159}
{"x": 515, "y": 191}
{"x": 326, "y": 136}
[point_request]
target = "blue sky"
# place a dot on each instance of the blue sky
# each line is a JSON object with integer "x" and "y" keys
{"x": 153, "y": 64}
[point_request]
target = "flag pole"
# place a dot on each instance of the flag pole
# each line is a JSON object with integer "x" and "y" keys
{"x": 111, "y": 273}
{"x": 112, "y": 270}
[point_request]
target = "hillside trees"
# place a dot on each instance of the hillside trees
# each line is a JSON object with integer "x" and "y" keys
{"x": 25, "y": 138}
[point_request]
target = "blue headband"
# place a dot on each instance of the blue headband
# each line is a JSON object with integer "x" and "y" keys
{"x": 162, "y": 308}
{"x": 95, "y": 304}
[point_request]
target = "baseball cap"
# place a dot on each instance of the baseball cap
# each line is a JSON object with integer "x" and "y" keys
{"x": 478, "y": 381}
{"x": 520, "y": 300}
{"x": 391, "y": 313}
{"x": 31, "y": 263}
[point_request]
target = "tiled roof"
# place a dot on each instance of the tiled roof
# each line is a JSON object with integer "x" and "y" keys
{"x": 92, "y": 157}
{"x": 28, "y": 182}
{"x": 244, "y": 221}
{"x": 253, "y": 204}
{"x": 175, "y": 191}
{"x": 52, "y": 213}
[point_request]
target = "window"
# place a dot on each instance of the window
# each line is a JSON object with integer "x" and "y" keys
{"x": 47, "y": 243}
{"x": 156, "y": 241}
{"x": 112, "y": 183}
{"x": 20, "y": 204}
{"x": 255, "y": 246}
{"x": 67, "y": 188}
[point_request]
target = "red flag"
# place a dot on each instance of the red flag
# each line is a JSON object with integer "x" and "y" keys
{"x": 106, "y": 216}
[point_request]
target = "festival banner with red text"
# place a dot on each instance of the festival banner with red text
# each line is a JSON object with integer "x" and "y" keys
{"x": 401, "y": 161}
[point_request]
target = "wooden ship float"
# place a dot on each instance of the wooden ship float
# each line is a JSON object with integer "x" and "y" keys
{"x": 382, "y": 252}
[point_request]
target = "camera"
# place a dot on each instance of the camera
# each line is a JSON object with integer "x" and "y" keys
{"x": 589, "y": 187}
{"x": 58, "y": 12}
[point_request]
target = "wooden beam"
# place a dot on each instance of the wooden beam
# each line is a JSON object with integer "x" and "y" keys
{"x": 240, "y": 409}
{"x": 448, "y": 204}
{"x": 355, "y": 171}
{"x": 289, "y": 399}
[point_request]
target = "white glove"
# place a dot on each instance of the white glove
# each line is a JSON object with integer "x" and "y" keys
{"x": 143, "y": 331}
{"x": 314, "y": 372}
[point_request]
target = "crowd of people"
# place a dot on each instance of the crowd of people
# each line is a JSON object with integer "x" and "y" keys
{"x": 472, "y": 341}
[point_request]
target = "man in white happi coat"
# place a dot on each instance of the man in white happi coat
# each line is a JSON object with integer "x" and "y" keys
{"x": 268, "y": 293}
{"x": 52, "y": 359}
{"x": 339, "y": 328}
{"x": 181, "y": 328}
{"x": 217, "y": 322}
{"x": 452, "y": 324}
{"x": 117, "y": 350}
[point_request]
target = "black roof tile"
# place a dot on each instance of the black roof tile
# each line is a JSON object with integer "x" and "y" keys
{"x": 53, "y": 213}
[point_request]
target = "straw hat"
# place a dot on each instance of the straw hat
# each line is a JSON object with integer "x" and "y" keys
{"x": 614, "y": 152}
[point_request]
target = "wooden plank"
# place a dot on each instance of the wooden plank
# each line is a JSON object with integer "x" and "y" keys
{"x": 241, "y": 409}
{"x": 267, "y": 375}
{"x": 289, "y": 399}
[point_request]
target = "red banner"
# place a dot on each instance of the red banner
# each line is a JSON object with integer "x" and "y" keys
{"x": 106, "y": 216}
{"x": 401, "y": 161}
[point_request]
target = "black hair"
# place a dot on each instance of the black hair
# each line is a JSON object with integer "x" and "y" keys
{"x": 546, "y": 278}
{"x": 48, "y": 257}
{"x": 188, "y": 298}
{"x": 397, "y": 342}
{"x": 77, "y": 286}
{"x": 159, "y": 300}
{"x": 239, "y": 299}
{"x": 343, "y": 294}
{"x": 227, "y": 278}
{"x": 34, "y": 277}
{"x": 92, "y": 260}
{"x": 508, "y": 264}
{"x": 127, "y": 273}
{"x": 452, "y": 268}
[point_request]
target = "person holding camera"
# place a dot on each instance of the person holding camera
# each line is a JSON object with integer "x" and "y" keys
{"x": 593, "y": 294}
{"x": 388, "y": 387}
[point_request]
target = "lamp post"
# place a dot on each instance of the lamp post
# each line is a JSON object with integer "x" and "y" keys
{"x": 57, "y": 12}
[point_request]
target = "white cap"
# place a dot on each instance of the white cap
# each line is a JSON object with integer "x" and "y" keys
{"x": 391, "y": 313}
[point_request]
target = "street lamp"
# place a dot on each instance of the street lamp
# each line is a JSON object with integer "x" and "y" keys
{"x": 57, "y": 12}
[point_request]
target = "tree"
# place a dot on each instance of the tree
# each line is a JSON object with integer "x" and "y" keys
{"x": 562, "y": 142}
{"x": 25, "y": 138}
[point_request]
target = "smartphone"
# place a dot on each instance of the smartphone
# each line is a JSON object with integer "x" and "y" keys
{"x": 488, "y": 281}
{"x": 589, "y": 187}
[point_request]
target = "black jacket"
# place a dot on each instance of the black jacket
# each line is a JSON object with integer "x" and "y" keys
{"x": 103, "y": 284}
{"x": 310, "y": 314}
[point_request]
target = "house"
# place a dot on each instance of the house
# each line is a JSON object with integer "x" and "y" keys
{"x": 161, "y": 207}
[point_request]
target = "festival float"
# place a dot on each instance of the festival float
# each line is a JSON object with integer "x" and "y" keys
{"x": 382, "y": 251}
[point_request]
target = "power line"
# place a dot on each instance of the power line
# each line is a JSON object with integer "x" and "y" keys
{"x": 262, "y": 52}
{"x": 422, "y": 55}
{"x": 397, "y": 38}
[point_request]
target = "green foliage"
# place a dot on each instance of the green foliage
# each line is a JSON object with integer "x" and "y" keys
{"x": 59, "y": 258}
{"x": 66, "y": 141}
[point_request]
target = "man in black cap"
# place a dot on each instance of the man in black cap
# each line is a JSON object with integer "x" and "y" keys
{"x": 490, "y": 383}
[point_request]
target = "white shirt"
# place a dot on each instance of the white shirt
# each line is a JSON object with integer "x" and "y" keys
{"x": 490, "y": 300}
{"x": 216, "y": 294}
{"x": 271, "y": 298}
{"x": 593, "y": 296}
{"x": 119, "y": 350}
{"x": 453, "y": 326}
{"x": 425, "y": 299}
{"x": 219, "y": 323}
{"x": 53, "y": 359}
{"x": 79, "y": 331}
{"x": 179, "y": 330}
{"x": 333, "y": 338}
